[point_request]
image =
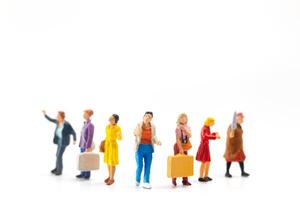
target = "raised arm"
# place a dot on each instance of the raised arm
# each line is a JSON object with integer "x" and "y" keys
{"x": 230, "y": 132}
{"x": 49, "y": 118}
{"x": 187, "y": 131}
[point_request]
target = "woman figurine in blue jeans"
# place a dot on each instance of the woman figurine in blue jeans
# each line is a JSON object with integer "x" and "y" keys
{"x": 145, "y": 138}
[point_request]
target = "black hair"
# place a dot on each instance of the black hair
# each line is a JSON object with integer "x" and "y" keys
{"x": 149, "y": 113}
{"x": 116, "y": 117}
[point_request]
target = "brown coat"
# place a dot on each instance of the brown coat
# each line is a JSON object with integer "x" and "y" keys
{"x": 234, "y": 146}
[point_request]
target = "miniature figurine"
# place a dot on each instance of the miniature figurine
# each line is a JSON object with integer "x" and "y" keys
{"x": 145, "y": 138}
{"x": 234, "y": 145}
{"x": 203, "y": 154}
{"x": 183, "y": 144}
{"x": 61, "y": 138}
{"x": 86, "y": 140}
{"x": 111, "y": 153}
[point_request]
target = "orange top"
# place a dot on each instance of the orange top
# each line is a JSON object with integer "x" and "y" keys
{"x": 146, "y": 136}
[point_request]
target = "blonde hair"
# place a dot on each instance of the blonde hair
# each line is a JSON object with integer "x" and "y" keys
{"x": 181, "y": 116}
{"x": 209, "y": 121}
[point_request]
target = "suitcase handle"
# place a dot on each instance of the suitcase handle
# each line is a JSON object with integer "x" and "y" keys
{"x": 179, "y": 154}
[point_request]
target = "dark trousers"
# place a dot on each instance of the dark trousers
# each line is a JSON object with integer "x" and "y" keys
{"x": 59, "y": 158}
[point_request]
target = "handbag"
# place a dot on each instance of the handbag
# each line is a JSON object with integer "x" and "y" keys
{"x": 102, "y": 146}
{"x": 185, "y": 142}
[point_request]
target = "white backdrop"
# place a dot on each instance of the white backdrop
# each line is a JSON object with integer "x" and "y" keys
{"x": 205, "y": 58}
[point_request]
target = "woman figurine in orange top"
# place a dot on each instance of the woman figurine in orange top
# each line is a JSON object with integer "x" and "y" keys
{"x": 203, "y": 154}
{"x": 182, "y": 145}
{"x": 145, "y": 138}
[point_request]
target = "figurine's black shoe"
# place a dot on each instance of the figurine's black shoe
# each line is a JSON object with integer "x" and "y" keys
{"x": 58, "y": 173}
{"x": 86, "y": 178}
{"x": 53, "y": 171}
{"x": 186, "y": 183}
{"x": 79, "y": 176}
{"x": 202, "y": 180}
{"x": 208, "y": 179}
{"x": 228, "y": 175}
{"x": 244, "y": 174}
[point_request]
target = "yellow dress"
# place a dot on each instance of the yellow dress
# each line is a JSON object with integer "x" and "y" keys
{"x": 111, "y": 154}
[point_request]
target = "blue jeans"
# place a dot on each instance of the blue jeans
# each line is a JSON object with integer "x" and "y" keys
{"x": 85, "y": 173}
{"x": 59, "y": 158}
{"x": 143, "y": 157}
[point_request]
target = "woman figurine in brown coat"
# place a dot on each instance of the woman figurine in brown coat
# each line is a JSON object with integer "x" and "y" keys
{"x": 234, "y": 145}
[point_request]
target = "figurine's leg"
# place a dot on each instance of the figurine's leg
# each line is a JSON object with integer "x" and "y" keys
{"x": 59, "y": 160}
{"x": 148, "y": 162}
{"x": 202, "y": 169}
{"x": 176, "y": 151}
{"x": 139, "y": 169}
{"x": 185, "y": 180}
{"x": 112, "y": 172}
{"x": 228, "y": 164}
{"x": 242, "y": 166}
{"x": 207, "y": 165}
{"x": 244, "y": 174}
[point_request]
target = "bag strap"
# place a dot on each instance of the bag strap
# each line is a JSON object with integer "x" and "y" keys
{"x": 182, "y": 137}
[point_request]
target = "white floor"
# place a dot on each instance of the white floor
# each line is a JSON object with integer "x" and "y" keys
{"x": 262, "y": 183}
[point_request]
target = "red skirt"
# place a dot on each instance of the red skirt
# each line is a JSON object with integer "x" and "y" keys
{"x": 237, "y": 157}
{"x": 203, "y": 153}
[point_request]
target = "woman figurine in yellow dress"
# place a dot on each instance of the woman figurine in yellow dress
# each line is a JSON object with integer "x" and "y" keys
{"x": 111, "y": 153}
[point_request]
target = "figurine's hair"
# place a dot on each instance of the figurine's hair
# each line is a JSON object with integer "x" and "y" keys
{"x": 240, "y": 114}
{"x": 209, "y": 121}
{"x": 181, "y": 116}
{"x": 149, "y": 113}
{"x": 62, "y": 114}
{"x": 116, "y": 117}
{"x": 90, "y": 112}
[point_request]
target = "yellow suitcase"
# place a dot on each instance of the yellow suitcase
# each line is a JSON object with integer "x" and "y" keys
{"x": 180, "y": 166}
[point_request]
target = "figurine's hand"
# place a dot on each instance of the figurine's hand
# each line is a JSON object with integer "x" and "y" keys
{"x": 158, "y": 143}
{"x": 44, "y": 112}
{"x": 231, "y": 135}
{"x": 74, "y": 142}
{"x": 88, "y": 150}
{"x": 218, "y": 136}
{"x": 119, "y": 136}
{"x": 183, "y": 128}
{"x": 136, "y": 133}
{"x": 181, "y": 151}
